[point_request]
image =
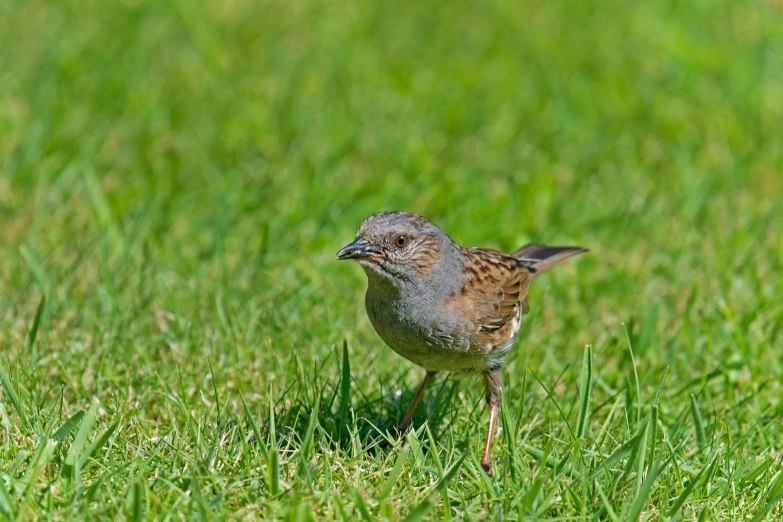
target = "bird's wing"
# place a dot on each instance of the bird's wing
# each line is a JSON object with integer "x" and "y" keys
{"x": 495, "y": 288}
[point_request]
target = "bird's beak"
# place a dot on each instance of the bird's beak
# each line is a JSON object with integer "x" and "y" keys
{"x": 359, "y": 249}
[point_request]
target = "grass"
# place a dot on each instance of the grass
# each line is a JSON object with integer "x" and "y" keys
{"x": 176, "y": 341}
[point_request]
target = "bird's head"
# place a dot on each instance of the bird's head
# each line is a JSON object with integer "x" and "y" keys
{"x": 396, "y": 246}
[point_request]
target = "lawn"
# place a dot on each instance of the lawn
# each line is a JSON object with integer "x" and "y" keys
{"x": 177, "y": 341}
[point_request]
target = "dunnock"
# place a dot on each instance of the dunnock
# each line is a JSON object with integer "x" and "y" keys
{"x": 443, "y": 306}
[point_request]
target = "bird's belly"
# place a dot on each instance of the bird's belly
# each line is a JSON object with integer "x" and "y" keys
{"x": 436, "y": 344}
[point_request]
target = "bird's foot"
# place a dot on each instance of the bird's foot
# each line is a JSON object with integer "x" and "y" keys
{"x": 486, "y": 466}
{"x": 387, "y": 444}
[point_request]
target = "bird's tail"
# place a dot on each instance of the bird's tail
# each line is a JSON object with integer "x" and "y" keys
{"x": 541, "y": 258}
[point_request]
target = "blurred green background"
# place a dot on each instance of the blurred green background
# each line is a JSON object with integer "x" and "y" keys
{"x": 175, "y": 178}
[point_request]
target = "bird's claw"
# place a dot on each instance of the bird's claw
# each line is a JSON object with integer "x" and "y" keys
{"x": 486, "y": 466}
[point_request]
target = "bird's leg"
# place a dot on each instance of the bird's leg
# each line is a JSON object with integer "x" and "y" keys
{"x": 407, "y": 420}
{"x": 493, "y": 383}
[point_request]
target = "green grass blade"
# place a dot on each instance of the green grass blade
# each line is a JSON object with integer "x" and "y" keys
{"x": 777, "y": 485}
{"x": 362, "y": 507}
{"x": 70, "y": 467}
{"x": 644, "y": 493}
{"x": 274, "y": 455}
{"x": 641, "y": 456}
{"x": 33, "y": 334}
{"x": 419, "y": 512}
{"x": 272, "y": 424}
{"x": 533, "y": 492}
{"x": 345, "y": 392}
{"x": 635, "y": 376}
{"x": 136, "y": 502}
{"x": 756, "y": 471}
{"x": 616, "y": 456}
{"x": 449, "y": 474}
{"x": 653, "y": 434}
{"x": 648, "y": 329}
{"x": 102, "y": 208}
{"x": 605, "y": 501}
{"x": 39, "y": 275}
{"x": 253, "y": 426}
{"x": 302, "y": 513}
{"x": 606, "y": 426}
{"x": 698, "y": 423}
{"x": 274, "y": 471}
{"x": 776, "y": 496}
{"x": 556, "y": 404}
{"x": 215, "y": 391}
{"x": 690, "y": 488}
{"x": 69, "y": 425}
{"x": 551, "y": 462}
{"x": 654, "y": 418}
{"x": 509, "y": 443}
{"x": 98, "y": 444}
{"x": 584, "y": 395}
{"x": 9, "y": 389}
{"x": 433, "y": 450}
{"x": 89, "y": 496}
{"x": 633, "y": 458}
{"x": 35, "y": 473}
{"x": 307, "y": 441}
{"x": 660, "y": 387}
{"x": 402, "y": 456}
{"x": 6, "y": 503}
{"x": 198, "y": 501}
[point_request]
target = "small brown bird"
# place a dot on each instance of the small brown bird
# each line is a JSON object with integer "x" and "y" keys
{"x": 445, "y": 307}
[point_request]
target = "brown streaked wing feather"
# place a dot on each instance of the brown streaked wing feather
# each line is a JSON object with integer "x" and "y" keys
{"x": 497, "y": 284}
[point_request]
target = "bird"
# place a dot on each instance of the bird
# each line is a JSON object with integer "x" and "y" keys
{"x": 444, "y": 307}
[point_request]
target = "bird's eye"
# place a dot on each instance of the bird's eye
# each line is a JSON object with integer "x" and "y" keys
{"x": 401, "y": 241}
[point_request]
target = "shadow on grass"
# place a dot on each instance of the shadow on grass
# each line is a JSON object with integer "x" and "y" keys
{"x": 347, "y": 415}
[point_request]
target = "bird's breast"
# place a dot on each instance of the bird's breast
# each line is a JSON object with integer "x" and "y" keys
{"x": 436, "y": 339}
{"x": 414, "y": 326}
